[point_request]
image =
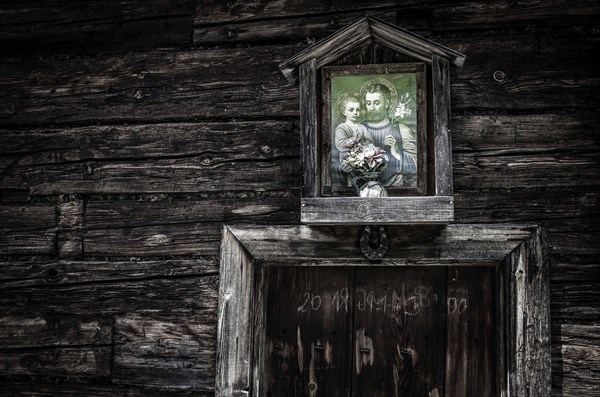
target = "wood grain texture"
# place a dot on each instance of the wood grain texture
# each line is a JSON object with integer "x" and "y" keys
{"x": 399, "y": 329}
{"x": 291, "y": 28}
{"x": 309, "y": 331}
{"x": 21, "y": 332}
{"x": 153, "y": 158}
{"x": 446, "y": 15}
{"x": 309, "y": 128}
{"x": 27, "y": 229}
{"x": 66, "y": 272}
{"x": 171, "y": 228}
{"x": 165, "y": 352}
{"x": 147, "y": 87}
{"x": 234, "y": 345}
{"x": 528, "y": 336}
{"x": 79, "y": 362}
{"x": 501, "y": 13}
{"x": 577, "y": 352}
{"x": 213, "y": 11}
{"x": 36, "y": 387}
{"x": 158, "y": 295}
{"x": 471, "y": 347}
{"x": 529, "y": 133}
{"x": 442, "y": 138}
{"x": 160, "y": 86}
{"x": 71, "y": 26}
{"x": 356, "y": 210}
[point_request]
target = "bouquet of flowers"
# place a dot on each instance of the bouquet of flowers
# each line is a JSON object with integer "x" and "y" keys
{"x": 364, "y": 157}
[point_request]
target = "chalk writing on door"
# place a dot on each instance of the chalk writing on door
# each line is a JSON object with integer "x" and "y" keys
{"x": 399, "y": 300}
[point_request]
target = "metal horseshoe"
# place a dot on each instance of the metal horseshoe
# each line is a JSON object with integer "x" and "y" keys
{"x": 374, "y": 253}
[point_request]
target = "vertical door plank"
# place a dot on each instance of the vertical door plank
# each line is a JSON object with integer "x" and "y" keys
{"x": 471, "y": 350}
{"x": 399, "y": 331}
{"x": 308, "y": 331}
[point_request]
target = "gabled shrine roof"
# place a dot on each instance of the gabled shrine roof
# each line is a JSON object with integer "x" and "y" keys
{"x": 366, "y": 31}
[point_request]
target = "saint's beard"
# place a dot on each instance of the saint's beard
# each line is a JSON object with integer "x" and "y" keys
{"x": 375, "y": 116}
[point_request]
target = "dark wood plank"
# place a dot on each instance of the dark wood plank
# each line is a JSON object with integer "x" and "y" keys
{"x": 575, "y": 243}
{"x": 308, "y": 330}
{"x": 27, "y": 229}
{"x": 64, "y": 272}
{"x": 70, "y": 234}
{"x": 489, "y": 171}
{"x": 550, "y": 205}
{"x": 287, "y": 28}
{"x": 208, "y": 141}
{"x": 39, "y": 331}
{"x": 481, "y": 14}
{"x": 574, "y": 293}
{"x": 216, "y": 12}
{"x": 186, "y": 175}
{"x": 529, "y": 133}
{"x": 64, "y": 27}
{"x": 235, "y": 318}
{"x": 98, "y": 388}
{"x": 356, "y": 210}
{"x": 309, "y": 129}
{"x": 127, "y": 214}
{"x": 166, "y": 352}
{"x": 442, "y": 138}
{"x": 338, "y": 244}
{"x": 160, "y": 295}
{"x": 147, "y": 87}
{"x": 399, "y": 341}
{"x": 169, "y": 157}
{"x": 576, "y": 354}
{"x": 174, "y": 227}
{"x": 471, "y": 359}
{"x": 528, "y": 318}
{"x": 62, "y": 362}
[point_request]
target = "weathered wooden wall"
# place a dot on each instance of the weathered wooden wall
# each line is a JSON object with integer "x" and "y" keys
{"x": 132, "y": 130}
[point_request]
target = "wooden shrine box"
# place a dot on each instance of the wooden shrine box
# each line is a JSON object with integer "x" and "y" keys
{"x": 418, "y": 72}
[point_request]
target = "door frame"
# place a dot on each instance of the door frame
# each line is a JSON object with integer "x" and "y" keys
{"x": 517, "y": 250}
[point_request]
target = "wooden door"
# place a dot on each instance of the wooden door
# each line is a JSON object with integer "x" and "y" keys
{"x": 379, "y": 331}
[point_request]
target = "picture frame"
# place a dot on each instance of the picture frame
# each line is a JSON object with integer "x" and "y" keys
{"x": 374, "y": 105}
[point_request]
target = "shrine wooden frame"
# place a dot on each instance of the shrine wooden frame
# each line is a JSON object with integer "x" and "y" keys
{"x": 305, "y": 68}
{"x": 518, "y": 251}
{"x": 435, "y": 207}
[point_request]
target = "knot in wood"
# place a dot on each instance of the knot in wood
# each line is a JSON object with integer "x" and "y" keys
{"x": 499, "y": 76}
{"x": 53, "y": 275}
{"x": 265, "y": 148}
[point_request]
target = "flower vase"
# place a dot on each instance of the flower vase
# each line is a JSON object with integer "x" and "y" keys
{"x": 369, "y": 184}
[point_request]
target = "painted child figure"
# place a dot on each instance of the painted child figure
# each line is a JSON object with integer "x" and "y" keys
{"x": 350, "y": 108}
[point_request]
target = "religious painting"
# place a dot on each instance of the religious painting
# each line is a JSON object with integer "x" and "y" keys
{"x": 374, "y": 130}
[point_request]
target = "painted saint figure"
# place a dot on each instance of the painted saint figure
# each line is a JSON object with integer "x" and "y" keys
{"x": 380, "y": 97}
{"x": 351, "y": 109}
